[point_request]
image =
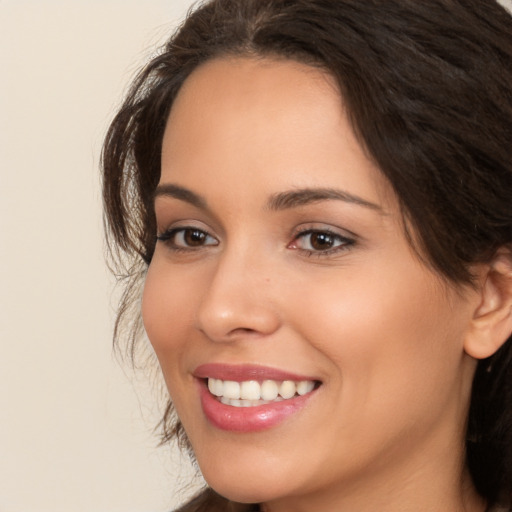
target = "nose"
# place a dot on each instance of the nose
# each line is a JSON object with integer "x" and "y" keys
{"x": 238, "y": 300}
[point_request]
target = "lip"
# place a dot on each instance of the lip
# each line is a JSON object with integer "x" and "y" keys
{"x": 247, "y": 419}
{"x": 240, "y": 373}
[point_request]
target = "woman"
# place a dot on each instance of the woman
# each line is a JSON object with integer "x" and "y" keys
{"x": 316, "y": 194}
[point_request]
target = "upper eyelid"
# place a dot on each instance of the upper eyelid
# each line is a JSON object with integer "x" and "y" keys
{"x": 176, "y": 229}
{"x": 170, "y": 220}
{"x": 182, "y": 224}
{"x": 319, "y": 227}
{"x": 170, "y": 210}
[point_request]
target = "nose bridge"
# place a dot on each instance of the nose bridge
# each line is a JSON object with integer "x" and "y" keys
{"x": 237, "y": 299}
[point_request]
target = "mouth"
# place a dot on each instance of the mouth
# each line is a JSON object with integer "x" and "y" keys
{"x": 250, "y": 398}
{"x": 251, "y": 393}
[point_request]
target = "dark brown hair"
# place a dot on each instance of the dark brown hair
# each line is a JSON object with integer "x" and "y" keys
{"x": 428, "y": 88}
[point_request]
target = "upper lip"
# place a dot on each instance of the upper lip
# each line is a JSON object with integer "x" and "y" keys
{"x": 243, "y": 372}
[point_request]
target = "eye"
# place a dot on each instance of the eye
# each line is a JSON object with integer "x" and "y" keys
{"x": 187, "y": 238}
{"x": 316, "y": 241}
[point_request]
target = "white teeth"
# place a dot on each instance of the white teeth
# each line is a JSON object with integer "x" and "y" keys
{"x": 251, "y": 393}
{"x": 231, "y": 389}
{"x": 243, "y": 403}
{"x": 269, "y": 390}
{"x": 216, "y": 387}
{"x": 287, "y": 389}
{"x": 305, "y": 386}
{"x": 219, "y": 387}
{"x": 250, "y": 390}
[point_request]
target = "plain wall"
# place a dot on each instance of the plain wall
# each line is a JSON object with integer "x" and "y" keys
{"x": 72, "y": 436}
{"x": 75, "y": 431}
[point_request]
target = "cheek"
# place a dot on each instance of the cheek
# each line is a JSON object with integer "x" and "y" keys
{"x": 388, "y": 337}
{"x": 167, "y": 306}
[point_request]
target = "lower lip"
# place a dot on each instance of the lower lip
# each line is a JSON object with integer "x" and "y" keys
{"x": 249, "y": 419}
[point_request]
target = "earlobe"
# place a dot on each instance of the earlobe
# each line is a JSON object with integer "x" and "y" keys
{"x": 492, "y": 321}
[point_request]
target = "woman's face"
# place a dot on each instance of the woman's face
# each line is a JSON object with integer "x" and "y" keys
{"x": 282, "y": 258}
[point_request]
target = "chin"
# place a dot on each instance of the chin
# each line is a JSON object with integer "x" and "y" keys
{"x": 244, "y": 492}
{"x": 247, "y": 482}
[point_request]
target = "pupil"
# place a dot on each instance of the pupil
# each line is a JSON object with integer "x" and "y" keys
{"x": 194, "y": 237}
{"x": 321, "y": 241}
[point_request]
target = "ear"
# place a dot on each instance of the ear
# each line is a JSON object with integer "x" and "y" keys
{"x": 491, "y": 325}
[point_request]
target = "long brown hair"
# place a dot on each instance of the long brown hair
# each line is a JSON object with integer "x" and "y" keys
{"x": 428, "y": 89}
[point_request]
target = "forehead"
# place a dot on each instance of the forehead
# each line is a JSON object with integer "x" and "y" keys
{"x": 239, "y": 77}
{"x": 254, "y": 120}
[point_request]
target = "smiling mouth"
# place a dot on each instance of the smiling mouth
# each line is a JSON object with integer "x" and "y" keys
{"x": 253, "y": 393}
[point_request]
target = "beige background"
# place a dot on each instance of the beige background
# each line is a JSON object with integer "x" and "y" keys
{"x": 72, "y": 436}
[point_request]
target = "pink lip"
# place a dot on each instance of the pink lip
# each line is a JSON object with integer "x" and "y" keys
{"x": 239, "y": 373}
{"x": 247, "y": 419}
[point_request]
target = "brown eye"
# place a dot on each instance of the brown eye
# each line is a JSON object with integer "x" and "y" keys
{"x": 194, "y": 237}
{"x": 321, "y": 241}
{"x": 187, "y": 238}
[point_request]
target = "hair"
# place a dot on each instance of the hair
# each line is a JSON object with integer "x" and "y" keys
{"x": 427, "y": 87}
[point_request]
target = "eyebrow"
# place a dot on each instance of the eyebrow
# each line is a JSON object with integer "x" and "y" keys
{"x": 305, "y": 196}
{"x": 181, "y": 193}
{"x": 277, "y": 202}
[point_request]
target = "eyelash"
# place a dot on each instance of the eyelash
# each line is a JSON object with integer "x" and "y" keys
{"x": 168, "y": 237}
{"x": 344, "y": 243}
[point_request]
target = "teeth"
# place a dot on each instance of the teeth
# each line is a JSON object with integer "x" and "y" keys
{"x": 305, "y": 386}
{"x": 231, "y": 389}
{"x": 250, "y": 390}
{"x": 216, "y": 387}
{"x": 250, "y": 393}
{"x": 287, "y": 389}
{"x": 269, "y": 390}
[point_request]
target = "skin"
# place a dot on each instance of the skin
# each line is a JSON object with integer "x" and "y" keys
{"x": 383, "y": 333}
